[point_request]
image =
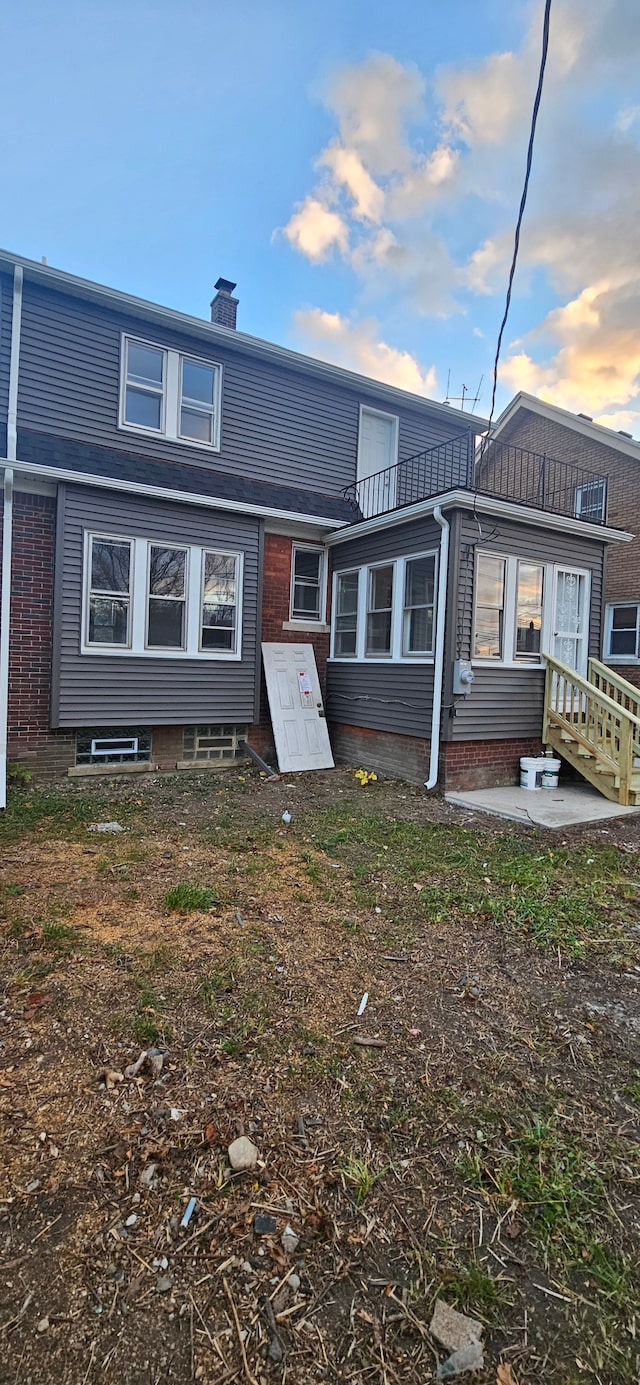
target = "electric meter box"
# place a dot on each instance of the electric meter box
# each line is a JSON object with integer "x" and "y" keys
{"x": 462, "y": 677}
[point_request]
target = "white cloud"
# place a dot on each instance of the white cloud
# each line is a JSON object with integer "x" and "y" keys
{"x": 315, "y": 230}
{"x": 357, "y": 346}
{"x": 418, "y": 186}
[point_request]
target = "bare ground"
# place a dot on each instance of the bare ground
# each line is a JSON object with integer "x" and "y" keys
{"x": 484, "y": 1151}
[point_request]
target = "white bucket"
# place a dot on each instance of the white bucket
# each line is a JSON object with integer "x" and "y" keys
{"x": 531, "y": 772}
{"x": 550, "y": 773}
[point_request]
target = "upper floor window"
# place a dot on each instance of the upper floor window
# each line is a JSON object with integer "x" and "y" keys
{"x": 143, "y": 597}
{"x": 622, "y": 632}
{"x": 591, "y": 500}
{"x": 385, "y": 611}
{"x": 167, "y": 393}
{"x": 307, "y": 583}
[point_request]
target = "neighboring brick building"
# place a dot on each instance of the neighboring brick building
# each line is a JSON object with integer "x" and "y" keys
{"x": 536, "y": 426}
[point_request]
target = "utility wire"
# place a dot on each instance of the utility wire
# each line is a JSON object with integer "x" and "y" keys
{"x": 523, "y": 203}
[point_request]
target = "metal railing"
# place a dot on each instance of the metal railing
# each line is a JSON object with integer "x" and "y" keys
{"x": 497, "y": 469}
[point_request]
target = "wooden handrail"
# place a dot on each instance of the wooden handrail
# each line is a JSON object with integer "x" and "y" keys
{"x": 591, "y": 690}
{"x": 598, "y": 670}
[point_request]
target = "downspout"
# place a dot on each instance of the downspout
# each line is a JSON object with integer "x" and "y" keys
{"x": 438, "y": 664}
{"x": 7, "y": 527}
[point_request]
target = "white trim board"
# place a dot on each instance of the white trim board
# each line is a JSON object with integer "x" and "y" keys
{"x": 607, "y": 437}
{"x": 467, "y": 500}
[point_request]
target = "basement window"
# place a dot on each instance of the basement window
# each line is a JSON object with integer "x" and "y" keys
{"x": 221, "y": 743}
{"x": 113, "y": 745}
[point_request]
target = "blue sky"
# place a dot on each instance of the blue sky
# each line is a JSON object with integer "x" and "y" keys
{"x": 356, "y": 167}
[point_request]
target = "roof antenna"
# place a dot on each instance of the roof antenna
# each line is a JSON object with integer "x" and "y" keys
{"x": 466, "y": 397}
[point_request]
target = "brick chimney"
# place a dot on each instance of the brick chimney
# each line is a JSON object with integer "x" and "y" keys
{"x": 224, "y": 306}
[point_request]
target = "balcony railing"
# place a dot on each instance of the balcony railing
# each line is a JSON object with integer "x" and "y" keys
{"x": 498, "y": 470}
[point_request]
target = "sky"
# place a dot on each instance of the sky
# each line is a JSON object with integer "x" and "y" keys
{"x": 356, "y": 166}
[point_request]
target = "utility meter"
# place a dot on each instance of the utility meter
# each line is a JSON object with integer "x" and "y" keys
{"x": 462, "y": 677}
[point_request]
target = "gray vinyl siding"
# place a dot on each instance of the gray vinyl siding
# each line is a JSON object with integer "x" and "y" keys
{"x": 507, "y": 703}
{"x": 394, "y": 697}
{"x": 116, "y": 690}
{"x": 6, "y": 308}
{"x": 277, "y": 424}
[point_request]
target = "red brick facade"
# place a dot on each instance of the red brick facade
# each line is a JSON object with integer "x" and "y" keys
{"x": 276, "y": 611}
{"x": 30, "y": 739}
{"x": 463, "y": 764}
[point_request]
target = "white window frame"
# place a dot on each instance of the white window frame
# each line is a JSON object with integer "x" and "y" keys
{"x": 509, "y": 657}
{"x": 608, "y": 628}
{"x": 307, "y": 620}
{"x": 87, "y": 591}
{"x": 239, "y": 575}
{"x": 586, "y": 487}
{"x": 139, "y": 600}
{"x": 171, "y": 395}
{"x": 397, "y": 612}
{"x": 167, "y": 648}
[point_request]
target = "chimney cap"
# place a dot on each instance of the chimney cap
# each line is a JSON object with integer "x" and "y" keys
{"x": 224, "y": 285}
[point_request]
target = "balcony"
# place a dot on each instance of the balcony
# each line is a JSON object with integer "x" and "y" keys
{"x": 500, "y": 470}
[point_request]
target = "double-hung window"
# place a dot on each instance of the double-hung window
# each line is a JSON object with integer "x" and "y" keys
{"x": 148, "y": 598}
{"x": 307, "y": 583}
{"x": 488, "y": 639}
{"x": 524, "y": 608}
{"x": 379, "y": 611}
{"x": 386, "y": 611}
{"x": 170, "y": 394}
{"x": 622, "y": 632}
{"x": 109, "y": 592}
{"x": 529, "y": 593}
{"x": 591, "y": 500}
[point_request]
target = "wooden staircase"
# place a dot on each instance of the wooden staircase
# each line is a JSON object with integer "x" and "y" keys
{"x": 594, "y": 724}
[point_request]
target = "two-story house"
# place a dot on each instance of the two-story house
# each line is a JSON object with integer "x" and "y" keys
{"x": 177, "y": 491}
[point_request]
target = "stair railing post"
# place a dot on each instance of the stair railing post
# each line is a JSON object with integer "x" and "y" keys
{"x": 626, "y": 759}
{"x": 548, "y": 684}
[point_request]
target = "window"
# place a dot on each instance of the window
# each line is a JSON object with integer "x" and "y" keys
{"x": 208, "y": 744}
{"x": 591, "y": 499}
{"x": 116, "y": 745}
{"x": 149, "y": 598}
{"x": 307, "y": 583}
{"x": 167, "y": 597}
{"x": 144, "y": 386}
{"x": 529, "y": 610}
{"x": 385, "y": 612}
{"x": 109, "y": 607}
{"x": 622, "y": 637}
{"x": 170, "y": 394}
{"x": 219, "y": 602}
{"x": 489, "y": 607}
{"x": 379, "y": 610}
{"x": 417, "y": 626}
{"x": 346, "y": 615}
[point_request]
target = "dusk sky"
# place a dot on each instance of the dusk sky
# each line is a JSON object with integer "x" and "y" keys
{"x": 356, "y": 166}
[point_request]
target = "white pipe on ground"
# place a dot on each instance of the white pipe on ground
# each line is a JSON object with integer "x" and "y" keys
{"x": 438, "y": 664}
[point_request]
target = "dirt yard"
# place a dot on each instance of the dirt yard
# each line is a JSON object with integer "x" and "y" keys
{"x": 482, "y": 1147}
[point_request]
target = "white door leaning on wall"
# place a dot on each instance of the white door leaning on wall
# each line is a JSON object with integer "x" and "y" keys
{"x": 295, "y": 702}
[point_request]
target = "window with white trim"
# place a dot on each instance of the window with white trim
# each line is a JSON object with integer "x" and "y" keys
{"x": 307, "y": 583}
{"x": 591, "y": 499}
{"x": 488, "y": 626}
{"x": 146, "y": 597}
{"x": 385, "y": 611}
{"x": 514, "y": 609}
{"x": 622, "y": 632}
{"x": 529, "y": 597}
{"x": 170, "y": 394}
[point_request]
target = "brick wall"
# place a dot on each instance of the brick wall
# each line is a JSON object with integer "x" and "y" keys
{"x": 30, "y": 740}
{"x": 276, "y": 599}
{"x": 463, "y": 765}
{"x": 484, "y": 764}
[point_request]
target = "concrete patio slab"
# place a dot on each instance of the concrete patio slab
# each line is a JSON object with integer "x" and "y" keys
{"x": 567, "y": 806}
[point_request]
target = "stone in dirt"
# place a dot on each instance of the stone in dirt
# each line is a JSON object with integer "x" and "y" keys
{"x": 452, "y": 1329}
{"x": 469, "y": 1358}
{"x": 289, "y": 1240}
{"x": 164, "y": 1283}
{"x": 106, "y": 827}
{"x": 243, "y": 1154}
{"x": 264, "y": 1224}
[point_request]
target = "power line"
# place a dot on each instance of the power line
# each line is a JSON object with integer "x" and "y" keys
{"x": 523, "y": 202}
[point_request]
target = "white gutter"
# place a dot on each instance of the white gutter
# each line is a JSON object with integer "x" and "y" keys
{"x": 7, "y": 527}
{"x": 470, "y": 500}
{"x": 438, "y": 663}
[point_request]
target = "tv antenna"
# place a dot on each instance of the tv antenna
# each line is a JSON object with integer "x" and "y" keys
{"x": 466, "y": 398}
